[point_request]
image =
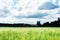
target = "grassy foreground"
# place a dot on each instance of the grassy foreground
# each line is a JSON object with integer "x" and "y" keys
{"x": 29, "y": 33}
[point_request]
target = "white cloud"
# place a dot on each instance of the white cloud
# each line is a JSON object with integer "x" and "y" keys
{"x": 26, "y": 8}
{"x": 25, "y": 20}
{"x": 56, "y": 2}
{"x": 30, "y": 7}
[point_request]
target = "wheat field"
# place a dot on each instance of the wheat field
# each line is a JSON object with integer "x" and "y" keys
{"x": 19, "y": 33}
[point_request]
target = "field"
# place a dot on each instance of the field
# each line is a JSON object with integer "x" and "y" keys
{"x": 29, "y": 33}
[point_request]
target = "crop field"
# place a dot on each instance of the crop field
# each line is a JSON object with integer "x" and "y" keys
{"x": 29, "y": 33}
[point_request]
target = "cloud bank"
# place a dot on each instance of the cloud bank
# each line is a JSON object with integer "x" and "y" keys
{"x": 20, "y": 11}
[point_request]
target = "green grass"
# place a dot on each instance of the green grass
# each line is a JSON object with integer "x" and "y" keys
{"x": 29, "y": 33}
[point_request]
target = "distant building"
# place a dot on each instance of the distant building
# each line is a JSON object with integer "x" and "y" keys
{"x": 38, "y": 23}
{"x": 58, "y": 19}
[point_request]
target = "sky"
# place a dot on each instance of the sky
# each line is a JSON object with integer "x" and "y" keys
{"x": 29, "y": 11}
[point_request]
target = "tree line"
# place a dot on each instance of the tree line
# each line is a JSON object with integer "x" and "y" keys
{"x": 47, "y": 24}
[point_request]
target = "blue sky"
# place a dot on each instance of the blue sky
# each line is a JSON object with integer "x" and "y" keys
{"x": 29, "y": 11}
